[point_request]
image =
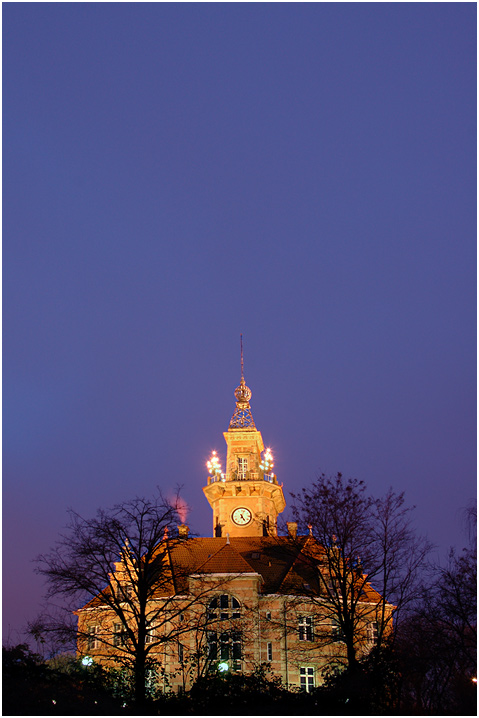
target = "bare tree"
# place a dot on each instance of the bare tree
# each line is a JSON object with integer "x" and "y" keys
{"x": 367, "y": 559}
{"x": 437, "y": 645}
{"x": 114, "y": 572}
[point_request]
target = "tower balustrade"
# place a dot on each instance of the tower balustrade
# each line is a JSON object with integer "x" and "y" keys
{"x": 249, "y": 476}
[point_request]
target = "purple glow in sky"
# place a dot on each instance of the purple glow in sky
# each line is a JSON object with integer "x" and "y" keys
{"x": 178, "y": 173}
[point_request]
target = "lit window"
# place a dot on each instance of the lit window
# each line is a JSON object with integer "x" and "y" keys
{"x": 150, "y": 635}
{"x": 242, "y": 467}
{"x": 119, "y": 635}
{"x": 336, "y": 630}
{"x": 306, "y": 678}
{"x": 270, "y": 651}
{"x": 225, "y": 646}
{"x": 93, "y": 641}
{"x": 305, "y": 628}
{"x": 373, "y": 629}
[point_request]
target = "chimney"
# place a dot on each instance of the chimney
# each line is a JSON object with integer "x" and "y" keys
{"x": 292, "y": 528}
{"x": 183, "y": 531}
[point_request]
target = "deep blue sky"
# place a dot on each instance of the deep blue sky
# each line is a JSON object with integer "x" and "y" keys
{"x": 175, "y": 174}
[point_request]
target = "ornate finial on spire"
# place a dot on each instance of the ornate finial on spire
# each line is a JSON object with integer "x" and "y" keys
{"x": 242, "y": 418}
{"x": 242, "y": 365}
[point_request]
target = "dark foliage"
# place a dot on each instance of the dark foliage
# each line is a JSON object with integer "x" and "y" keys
{"x": 372, "y": 688}
{"x": 32, "y": 687}
{"x": 239, "y": 695}
{"x": 437, "y": 645}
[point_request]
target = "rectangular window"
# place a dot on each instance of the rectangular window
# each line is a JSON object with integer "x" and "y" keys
{"x": 212, "y": 646}
{"x": 236, "y": 645}
{"x": 373, "y": 632}
{"x": 305, "y": 628}
{"x": 226, "y": 647}
{"x": 93, "y": 641}
{"x": 337, "y": 631}
{"x": 212, "y": 609}
{"x": 119, "y": 635}
{"x": 180, "y": 652}
{"x": 306, "y": 678}
{"x": 242, "y": 467}
{"x": 150, "y": 635}
{"x": 236, "y": 650}
{"x": 270, "y": 651}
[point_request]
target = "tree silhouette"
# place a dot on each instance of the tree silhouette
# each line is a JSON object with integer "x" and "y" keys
{"x": 114, "y": 572}
{"x": 367, "y": 561}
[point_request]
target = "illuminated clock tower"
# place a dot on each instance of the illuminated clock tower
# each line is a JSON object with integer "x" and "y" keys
{"x": 247, "y": 498}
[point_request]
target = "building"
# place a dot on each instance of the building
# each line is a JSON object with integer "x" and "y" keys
{"x": 244, "y": 597}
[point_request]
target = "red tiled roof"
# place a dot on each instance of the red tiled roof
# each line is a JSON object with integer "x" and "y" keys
{"x": 225, "y": 560}
{"x": 279, "y": 560}
{"x": 271, "y": 557}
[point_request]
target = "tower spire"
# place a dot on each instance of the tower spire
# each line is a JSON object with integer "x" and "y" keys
{"x": 242, "y": 417}
{"x": 246, "y": 499}
{"x": 242, "y": 365}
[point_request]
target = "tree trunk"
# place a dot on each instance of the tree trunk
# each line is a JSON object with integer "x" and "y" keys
{"x": 140, "y": 679}
{"x": 351, "y": 656}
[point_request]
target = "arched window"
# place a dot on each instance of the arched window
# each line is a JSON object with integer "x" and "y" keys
{"x": 223, "y": 608}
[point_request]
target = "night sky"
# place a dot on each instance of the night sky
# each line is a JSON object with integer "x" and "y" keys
{"x": 178, "y": 174}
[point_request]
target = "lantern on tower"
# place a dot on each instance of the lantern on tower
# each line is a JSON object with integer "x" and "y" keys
{"x": 267, "y": 465}
{"x": 214, "y": 467}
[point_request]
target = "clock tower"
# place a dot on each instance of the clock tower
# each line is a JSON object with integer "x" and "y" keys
{"x": 247, "y": 498}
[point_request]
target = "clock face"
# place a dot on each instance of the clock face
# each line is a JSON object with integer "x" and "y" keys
{"x": 241, "y": 516}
